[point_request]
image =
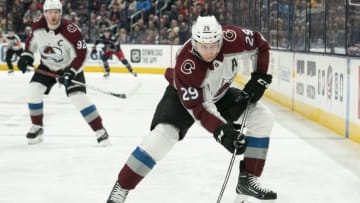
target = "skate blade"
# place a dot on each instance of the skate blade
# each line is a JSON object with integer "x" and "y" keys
{"x": 241, "y": 198}
{"x": 106, "y": 75}
{"x": 35, "y": 141}
{"x": 105, "y": 143}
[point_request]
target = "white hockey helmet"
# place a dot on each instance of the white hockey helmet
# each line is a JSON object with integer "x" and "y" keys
{"x": 52, "y": 4}
{"x": 206, "y": 29}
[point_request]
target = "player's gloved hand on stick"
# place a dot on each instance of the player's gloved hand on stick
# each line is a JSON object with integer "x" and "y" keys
{"x": 257, "y": 85}
{"x": 234, "y": 108}
{"x": 67, "y": 76}
{"x": 93, "y": 51}
{"x": 26, "y": 59}
{"x": 229, "y": 136}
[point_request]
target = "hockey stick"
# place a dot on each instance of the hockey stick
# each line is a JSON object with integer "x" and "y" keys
{"x": 234, "y": 153}
{"x": 54, "y": 75}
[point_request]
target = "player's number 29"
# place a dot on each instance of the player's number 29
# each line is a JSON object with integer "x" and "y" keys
{"x": 189, "y": 93}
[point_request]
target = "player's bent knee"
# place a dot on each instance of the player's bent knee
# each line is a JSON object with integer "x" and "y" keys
{"x": 80, "y": 100}
{"x": 261, "y": 121}
{"x": 36, "y": 92}
{"x": 160, "y": 141}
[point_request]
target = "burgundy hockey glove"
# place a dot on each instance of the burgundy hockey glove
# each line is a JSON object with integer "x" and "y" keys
{"x": 257, "y": 85}
{"x": 229, "y": 136}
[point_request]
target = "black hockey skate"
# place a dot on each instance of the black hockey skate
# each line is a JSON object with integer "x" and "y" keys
{"x": 248, "y": 186}
{"x": 118, "y": 194}
{"x": 34, "y": 135}
{"x": 106, "y": 74}
{"x": 134, "y": 73}
{"x": 102, "y": 138}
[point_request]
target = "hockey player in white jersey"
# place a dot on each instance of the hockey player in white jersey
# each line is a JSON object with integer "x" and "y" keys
{"x": 199, "y": 90}
{"x": 13, "y": 46}
{"x": 63, "y": 52}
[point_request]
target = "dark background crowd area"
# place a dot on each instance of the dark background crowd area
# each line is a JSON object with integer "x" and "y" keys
{"x": 135, "y": 21}
{"x": 318, "y": 26}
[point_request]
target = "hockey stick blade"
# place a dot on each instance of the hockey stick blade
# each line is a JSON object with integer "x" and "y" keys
{"x": 123, "y": 96}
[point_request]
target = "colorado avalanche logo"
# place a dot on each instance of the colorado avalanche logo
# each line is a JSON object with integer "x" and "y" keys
{"x": 71, "y": 28}
{"x": 187, "y": 67}
{"x": 230, "y": 35}
{"x": 51, "y": 53}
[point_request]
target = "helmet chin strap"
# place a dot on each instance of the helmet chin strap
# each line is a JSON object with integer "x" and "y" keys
{"x": 196, "y": 53}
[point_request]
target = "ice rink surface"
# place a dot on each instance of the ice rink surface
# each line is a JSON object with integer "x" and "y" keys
{"x": 306, "y": 162}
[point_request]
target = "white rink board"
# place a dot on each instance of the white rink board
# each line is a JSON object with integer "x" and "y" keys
{"x": 281, "y": 65}
{"x": 141, "y": 56}
{"x": 355, "y": 91}
{"x": 324, "y": 82}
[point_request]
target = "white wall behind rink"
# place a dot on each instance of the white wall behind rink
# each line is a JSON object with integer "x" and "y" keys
{"x": 323, "y": 88}
{"x": 141, "y": 56}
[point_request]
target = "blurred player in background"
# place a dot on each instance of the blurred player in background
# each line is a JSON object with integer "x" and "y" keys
{"x": 111, "y": 47}
{"x": 13, "y": 46}
{"x": 63, "y": 52}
